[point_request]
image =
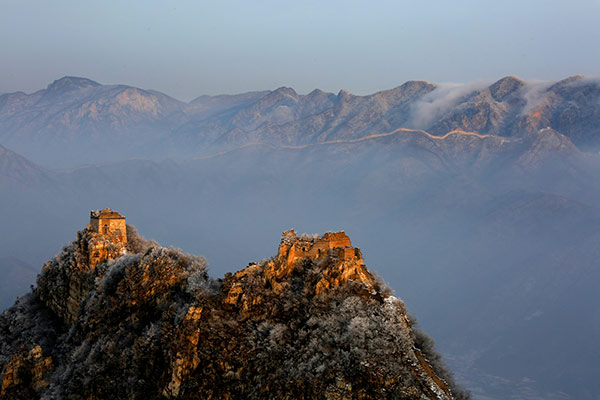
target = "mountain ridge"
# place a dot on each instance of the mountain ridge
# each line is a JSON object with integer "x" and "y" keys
{"x": 311, "y": 322}
{"x": 124, "y": 121}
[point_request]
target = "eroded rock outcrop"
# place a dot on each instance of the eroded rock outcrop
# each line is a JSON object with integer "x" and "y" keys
{"x": 68, "y": 279}
{"x": 311, "y": 322}
{"x": 26, "y": 369}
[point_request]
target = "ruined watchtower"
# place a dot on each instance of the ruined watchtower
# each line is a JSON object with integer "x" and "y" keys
{"x": 109, "y": 222}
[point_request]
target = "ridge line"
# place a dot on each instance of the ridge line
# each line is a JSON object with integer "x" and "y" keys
{"x": 342, "y": 141}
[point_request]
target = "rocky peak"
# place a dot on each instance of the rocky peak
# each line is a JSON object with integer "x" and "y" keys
{"x": 278, "y": 97}
{"x": 344, "y": 262}
{"x": 344, "y": 95}
{"x": 505, "y": 86}
{"x": 69, "y": 278}
{"x": 282, "y": 96}
{"x": 310, "y": 323}
{"x": 286, "y": 92}
{"x": 69, "y": 83}
{"x": 332, "y": 254}
{"x": 411, "y": 88}
{"x": 293, "y": 247}
{"x": 317, "y": 93}
{"x": 561, "y": 86}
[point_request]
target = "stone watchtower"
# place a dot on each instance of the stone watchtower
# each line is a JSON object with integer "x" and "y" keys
{"x": 109, "y": 236}
{"x": 108, "y": 222}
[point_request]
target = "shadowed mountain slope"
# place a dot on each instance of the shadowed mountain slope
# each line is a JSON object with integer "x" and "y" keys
{"x": 17, "y": 171}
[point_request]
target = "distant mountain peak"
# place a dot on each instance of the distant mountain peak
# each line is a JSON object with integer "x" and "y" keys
{"x": 344, "y": 94}
{"x": 572, "y": 79}
{"x": 410, "y": 88}
{"x": 286, "y": 91}
{"x": 510, "y": 78}
{"x": 68, "y": 83}
{"x": 418, "y": 84}
{"x": 16, "y": 170}
{"x": 505, "y": 86}
{"x": 565, "y": 82}
{"x": 316, "y": 92}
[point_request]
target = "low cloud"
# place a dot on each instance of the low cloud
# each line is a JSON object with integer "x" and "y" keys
{"x": 534, "y": 94}
{"x": 439, "y": 101}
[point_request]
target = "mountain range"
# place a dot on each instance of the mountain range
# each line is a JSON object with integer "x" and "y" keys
{"x": 480, "y": 204}
{"x": 91, "y": 122}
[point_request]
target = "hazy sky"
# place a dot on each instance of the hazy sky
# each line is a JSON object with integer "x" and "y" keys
{"x": 189, "y": 48}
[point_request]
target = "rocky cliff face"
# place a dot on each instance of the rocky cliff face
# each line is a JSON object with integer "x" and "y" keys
{"x": 148, "y": 322}
{"x": 66, "y": 281}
